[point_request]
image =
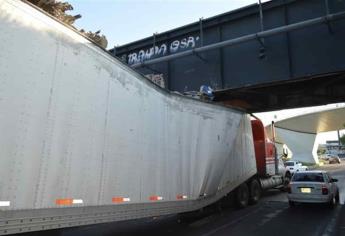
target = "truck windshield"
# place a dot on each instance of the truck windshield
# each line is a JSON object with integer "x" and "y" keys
{"x": 309, "y": 177}
{"x": 289, "y": 164}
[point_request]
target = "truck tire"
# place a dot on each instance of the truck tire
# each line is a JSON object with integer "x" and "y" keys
{"x": 242, "y": 196}
{"x": 255, "y": 191}
{"x": 291, "y": 203}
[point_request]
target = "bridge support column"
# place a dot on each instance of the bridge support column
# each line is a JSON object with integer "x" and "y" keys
{"x": 302, "y": 145}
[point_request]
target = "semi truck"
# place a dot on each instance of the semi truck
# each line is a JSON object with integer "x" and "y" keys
{"x": 86, "y": 140}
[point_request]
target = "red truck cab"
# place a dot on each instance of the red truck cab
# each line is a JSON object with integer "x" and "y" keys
{"x": 264, "y": 149}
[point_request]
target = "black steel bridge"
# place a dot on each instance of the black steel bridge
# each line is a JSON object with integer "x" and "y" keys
{"x": 276, "y": 55}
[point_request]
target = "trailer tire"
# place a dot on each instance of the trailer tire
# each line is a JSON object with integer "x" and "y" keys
{"x": 255, "y": 192}
{"x": 242, "y": 196}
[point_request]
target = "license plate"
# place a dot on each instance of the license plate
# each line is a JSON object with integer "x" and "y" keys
{"x": 306, "y": 190}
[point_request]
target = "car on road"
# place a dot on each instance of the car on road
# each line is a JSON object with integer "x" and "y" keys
{"x": 295, "y": 166}
{"x": 331, "y": 158}
{"x": 334, "y": 159}
{"x": 315, "y": 186}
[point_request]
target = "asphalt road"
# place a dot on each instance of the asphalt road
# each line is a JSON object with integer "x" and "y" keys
{"x": 272, "y": 216}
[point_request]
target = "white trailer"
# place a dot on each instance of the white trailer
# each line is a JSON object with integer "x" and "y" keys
{"x": 85, "y": 139}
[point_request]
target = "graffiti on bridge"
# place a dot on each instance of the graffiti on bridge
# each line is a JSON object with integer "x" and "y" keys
{"x": 161, "y": 50}
{"x": 157, "y": 79}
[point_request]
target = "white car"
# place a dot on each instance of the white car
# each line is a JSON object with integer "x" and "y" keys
{"x": 295, "y": 166}
{"x": 313, "y": 187}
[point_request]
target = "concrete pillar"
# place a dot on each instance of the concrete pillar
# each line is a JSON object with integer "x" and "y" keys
{"x": 302, "y": 145}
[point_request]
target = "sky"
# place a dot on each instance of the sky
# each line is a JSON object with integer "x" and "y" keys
{"x": 125, "y": 21}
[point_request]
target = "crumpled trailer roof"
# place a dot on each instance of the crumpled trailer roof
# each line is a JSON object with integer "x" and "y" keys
{"x": 87, "y": 140}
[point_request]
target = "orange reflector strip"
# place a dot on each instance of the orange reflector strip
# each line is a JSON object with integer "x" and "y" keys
{"x": 120, "y": 199}
{"x": 156, "y": 198}
{"x": 181, "y": 197}
{"x": 64, "y": 201}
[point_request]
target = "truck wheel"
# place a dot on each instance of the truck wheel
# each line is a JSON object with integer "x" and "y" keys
{"x": 291, "y": 203}
{"x": 255, "y": 192}
{"x": 242, "y": 196}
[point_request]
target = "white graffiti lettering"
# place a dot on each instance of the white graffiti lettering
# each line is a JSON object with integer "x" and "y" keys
{"x": 174, "y": 46}
{"x": 162, "y": 50}
{"x": 157, "y": 79}
{"x": 143, "y": 55}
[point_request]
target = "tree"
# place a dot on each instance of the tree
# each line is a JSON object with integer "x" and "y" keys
{"x": 58, "y": 10}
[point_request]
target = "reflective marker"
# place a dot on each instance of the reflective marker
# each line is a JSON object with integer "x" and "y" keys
{"x": 68, "y": 201}
{"x": 5, "y": 203}
{"x": 156, "y": 198}
{"x": 120, "y": 199}
{"x": 181, "y": 197}
{"x": 78, "y": 201}
{"x": 64, "y": 201}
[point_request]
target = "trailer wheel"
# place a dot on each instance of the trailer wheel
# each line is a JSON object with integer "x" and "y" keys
{"x": 242, "y": 196}
{"x": 255, "y": 192}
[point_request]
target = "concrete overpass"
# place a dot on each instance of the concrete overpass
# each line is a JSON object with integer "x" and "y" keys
{"x": 299, "y": 132}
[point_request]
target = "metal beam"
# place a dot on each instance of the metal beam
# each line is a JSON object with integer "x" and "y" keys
{"x": 246, "y": 38}
{"x": 261, "y": 16}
